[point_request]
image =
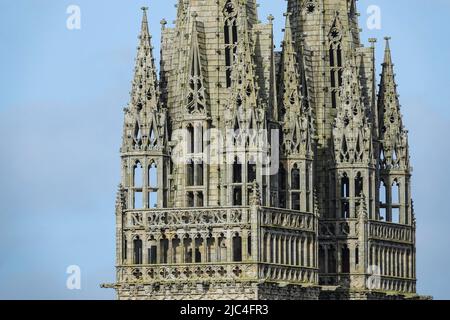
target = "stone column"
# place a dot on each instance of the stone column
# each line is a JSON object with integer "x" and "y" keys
{"x": 244, "y": 248}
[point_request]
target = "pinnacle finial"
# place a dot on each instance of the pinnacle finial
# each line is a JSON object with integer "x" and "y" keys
{"x": 387, "y": 51}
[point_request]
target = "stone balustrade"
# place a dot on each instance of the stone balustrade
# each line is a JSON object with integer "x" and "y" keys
{"x": 390, "y": 232}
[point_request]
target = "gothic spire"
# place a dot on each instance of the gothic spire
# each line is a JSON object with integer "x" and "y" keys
{"x": 244, "y": 88}
{"x": 294, "y": 111}
{"x": 145, "y": 121}
{"x": 196, "y": 96}
{"x": 393, "y": 135}
{"x": 352, "y": 129}
{"x": 144, "y": 94}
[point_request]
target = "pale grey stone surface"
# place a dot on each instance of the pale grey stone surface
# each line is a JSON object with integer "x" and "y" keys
{"x": 327, "y": 232}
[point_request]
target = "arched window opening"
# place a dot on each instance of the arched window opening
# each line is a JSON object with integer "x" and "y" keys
{"x": 395, "y": 193}
{"x": 345, "y": 195}
{"x": 345, "y": 263}
{"x": 137, "y": 245}
{"x": 383, "y": 201}
{"x": 137, "y": 175}
{"x": 359, "y": 185}
{"x": 295, "y": 187}
{"x": 295, "y": 178}
{"x": 187, "y": 247}
{"x": 190, "y": 139}
{"x": 237, "y": 196}
{"x": 190, "y": 174}
{"x": 164, "y": 248}
{"x": 335, "y": 67}
{"x": 222, "y": 249}
{"x": 345, "y": 186}
{"x": 230, "y": 37}
{"x": 199, "y": 139}
{"x": 356, "y": 256}
{"x": 237, "y": 248}
{"x": 210, "y": 244}
{"x": 152, "y": 252}
{"x": 237, "y": 171}
{"x": 198, "y": 246}
{"x": 251, "y": 171}
{"x": 176, "y": 254}
{"x": 153, "y": 176}
{"x": 282, "y": 185}
{"x": 153, "y": 186}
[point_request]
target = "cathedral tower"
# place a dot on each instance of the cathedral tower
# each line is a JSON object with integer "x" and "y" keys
{"x": 254, "y": 174}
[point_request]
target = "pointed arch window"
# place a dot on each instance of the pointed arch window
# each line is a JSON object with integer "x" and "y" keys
{"x": 230, "y": 36}
{"x": 383, "y": 201}
{"x": 137, "y": 175}
{"x": 336, "y": 65}
{"x": 138, "y": 201}
{"x": 137, "y": 248}
{"x": 295, "y": 178}
{"x": 282, "y": 185}
{"x": 359, "y": 184}
{"x": 152, "y": 186}
{"x": 237, "y": 171}
{"x": 345, "y": 196}
{"x": 395, "y": 202}
{"x": 251, "y": 171}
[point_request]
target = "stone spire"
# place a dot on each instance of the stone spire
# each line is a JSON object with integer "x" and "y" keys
{"x": 352, "y": 130}
{"x": 294, "y": 111}
{"x": 145, "y": 121}
{"x": 394, "y": 137}
{"x": 243, "y": 102}
{"x": 196, "y": 95}
{"x": 144, "y": 94}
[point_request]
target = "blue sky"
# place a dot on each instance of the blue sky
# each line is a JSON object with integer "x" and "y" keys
{"x": 61, "y": 121}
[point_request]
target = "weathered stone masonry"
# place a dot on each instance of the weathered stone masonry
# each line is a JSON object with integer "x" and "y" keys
{"x": 336, "y": 219}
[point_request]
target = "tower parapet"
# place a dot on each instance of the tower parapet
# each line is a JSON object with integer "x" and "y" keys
{"x": 254, "y": 174}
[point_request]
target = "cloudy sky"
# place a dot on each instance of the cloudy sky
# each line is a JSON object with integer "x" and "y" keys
{"x": 61, "y": 104}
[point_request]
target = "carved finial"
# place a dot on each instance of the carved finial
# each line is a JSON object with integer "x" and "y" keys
{"x": 163, "y": 23}
{"x": 362, "y": 214}
{"x": 194, "y": 15}
{"x": 316, "y": 203}
{"x": 255, "y": 199}
{"x": 270, "y": 18}
{"x": 120, "y": 198}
